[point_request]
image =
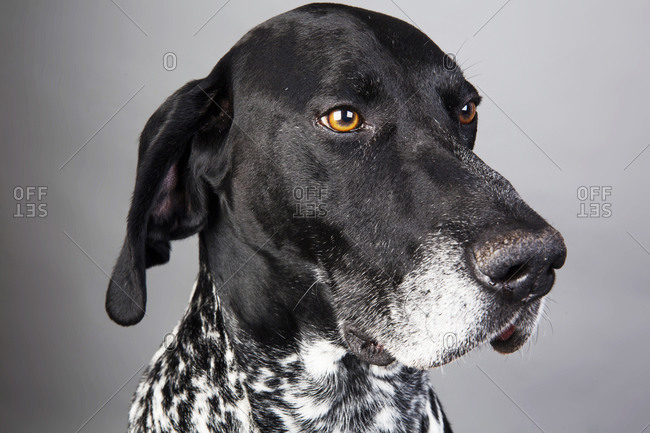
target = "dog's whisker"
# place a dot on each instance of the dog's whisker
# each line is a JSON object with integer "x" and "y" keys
{"x": 550, "y": 299}
{"x": 472, "y": 65}
{"x": 304, "y": 294}
{"x": 461, "y": 47}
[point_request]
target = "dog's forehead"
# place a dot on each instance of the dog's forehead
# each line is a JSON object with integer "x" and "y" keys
{"x": 321, "y": 46}
{"x": 318, "y": 23}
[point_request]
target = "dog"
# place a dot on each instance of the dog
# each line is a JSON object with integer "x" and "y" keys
{"x": 349, "y": 237}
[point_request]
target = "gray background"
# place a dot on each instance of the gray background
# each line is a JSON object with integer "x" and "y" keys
{"x": 568, "y": 79}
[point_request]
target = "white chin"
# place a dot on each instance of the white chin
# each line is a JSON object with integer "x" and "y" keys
{"x": 442, "y": 312}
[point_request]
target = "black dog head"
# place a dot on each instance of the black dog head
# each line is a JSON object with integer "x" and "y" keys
{"x": 346, "y": 136}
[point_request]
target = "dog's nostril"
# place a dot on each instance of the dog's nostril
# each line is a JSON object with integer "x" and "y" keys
{"x": 512, "y": 273}
{"x": 519, "y": 263}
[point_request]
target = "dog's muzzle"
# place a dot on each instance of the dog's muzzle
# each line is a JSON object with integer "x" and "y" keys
{"x": 519, "y": 267}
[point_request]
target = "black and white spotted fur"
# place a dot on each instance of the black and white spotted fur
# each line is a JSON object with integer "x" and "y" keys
{"x": 334, "y": 266}
{"x": 198, "y": 384}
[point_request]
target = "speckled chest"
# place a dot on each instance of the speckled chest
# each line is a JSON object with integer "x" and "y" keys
{"x": 207, "y": 382}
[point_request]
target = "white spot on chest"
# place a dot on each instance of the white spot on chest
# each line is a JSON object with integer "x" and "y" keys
{"x": 386, "y": 418}
{"x": 321, "y": 358}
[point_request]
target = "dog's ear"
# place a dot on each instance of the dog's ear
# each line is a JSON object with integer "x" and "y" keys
{"x": 182, "y": 160}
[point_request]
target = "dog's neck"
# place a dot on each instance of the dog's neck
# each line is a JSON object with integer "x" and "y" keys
{"x": 298, "y": 374}
{"x": 311, "y": 384}
{"x": 268, "y": 358}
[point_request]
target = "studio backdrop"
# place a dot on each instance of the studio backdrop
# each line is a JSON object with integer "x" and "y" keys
{"x": 564, "y": 117}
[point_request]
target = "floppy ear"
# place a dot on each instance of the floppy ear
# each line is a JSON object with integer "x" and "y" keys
{"x": 182, "y": 160}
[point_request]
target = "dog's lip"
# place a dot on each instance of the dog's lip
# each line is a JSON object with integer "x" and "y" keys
{"x": 506, "y": 333}
{"x": 365, "y": 347}
{"x": 509, "y": 338}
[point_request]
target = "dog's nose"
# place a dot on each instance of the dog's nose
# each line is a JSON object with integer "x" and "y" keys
{"x": 519, "y": 263}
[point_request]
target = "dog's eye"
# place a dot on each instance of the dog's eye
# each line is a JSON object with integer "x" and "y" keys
{"x": 341, "y": 120}
{"x": 467, "y": 113}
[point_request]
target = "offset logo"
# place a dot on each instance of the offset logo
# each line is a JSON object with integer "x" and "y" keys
{"x": 170, "y": 61}
{"x": 449, "y": 61}
{"x": 594, "y": 201}
{"x": 309, "y": 202}
{"x": 30, "y": 202}
{"x": 169, "y": 341}
{"x": 450, "y": 340}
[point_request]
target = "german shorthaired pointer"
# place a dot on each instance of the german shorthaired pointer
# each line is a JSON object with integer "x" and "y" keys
{"x": 349, "y": 237}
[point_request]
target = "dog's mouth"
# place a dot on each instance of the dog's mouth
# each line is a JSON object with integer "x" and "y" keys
{"x": 511, "y": 337}
{"x": 366, "y": 348}
{"x": 502, "y": 343}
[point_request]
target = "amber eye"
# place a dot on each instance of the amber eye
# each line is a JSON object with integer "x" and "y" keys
{"x": 467, "y": 113}
{"x": 342, "y": 120}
